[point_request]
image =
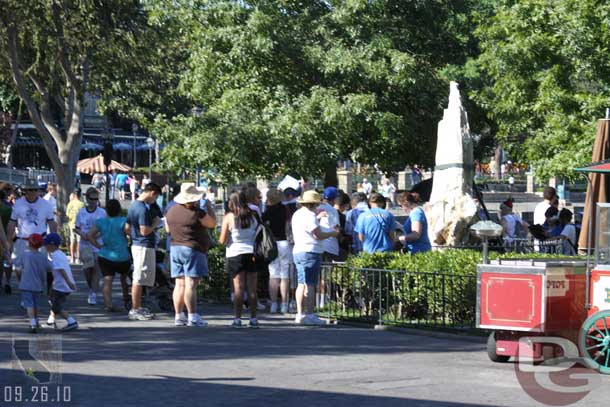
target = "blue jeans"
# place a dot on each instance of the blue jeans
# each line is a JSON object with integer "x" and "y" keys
{"x": 308, "y": 267}
{"x": 188, "y": 262}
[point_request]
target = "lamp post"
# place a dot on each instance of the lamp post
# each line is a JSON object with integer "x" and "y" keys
{"x": 107, "y": 136}
{"x": 150, "y": 143}
{"x": 197, "y": 111}
{"x": 134, "y": 131}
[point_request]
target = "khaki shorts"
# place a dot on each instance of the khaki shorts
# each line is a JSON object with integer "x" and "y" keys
{"x": 88, "y": 256}
{"x": 144, "y": 265}
{"x": 74, "y": 238}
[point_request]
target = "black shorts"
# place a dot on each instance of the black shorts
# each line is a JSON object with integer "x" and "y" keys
{"x": 57, "y": 300}
{"x": 242, "y": 262}
{"x": 108, "y": 267}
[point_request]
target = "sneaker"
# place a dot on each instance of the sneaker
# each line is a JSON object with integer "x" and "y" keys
{"x": 284, "y": 308}
{"x": 71, "y": 326}
{"x": 51, "y": 321}
{"x": 260, "y": 306}
{"x": 197, "y": 322}
{"x": 236, "y": 323}
{"x": 254, "y": 323}
{"x": 34, "y": 329}
{"x": 292, "y": 307}
{"x": 273, "y": 308}
{"x": 7, "y": 289}
{"x": 180, "y": 322}
{"x": 139, "y": 315}
{"x": 299, "y": 319}
{"x": 313, "y": 319}
{"x": 92, "y": 299}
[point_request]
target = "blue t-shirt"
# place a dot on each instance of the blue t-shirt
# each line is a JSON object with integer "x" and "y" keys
{"x": 139, "y": 215}
{"x": 423, "y": 243}
{"x": 35, "y": 266}
{"x": 376, "y": 225}
{"x": 121, "y": 179}
{"x": 113, "y": 236}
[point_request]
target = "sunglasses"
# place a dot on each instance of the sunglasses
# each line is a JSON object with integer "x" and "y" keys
{"x": 92, "y": 199}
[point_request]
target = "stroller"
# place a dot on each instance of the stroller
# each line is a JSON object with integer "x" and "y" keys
{"x": 158, "y": 297}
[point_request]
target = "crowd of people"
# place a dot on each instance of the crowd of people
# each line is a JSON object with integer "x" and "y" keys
{"x": 308, "y": 227}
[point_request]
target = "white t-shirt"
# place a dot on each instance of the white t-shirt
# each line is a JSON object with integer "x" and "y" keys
{"x": 51, "y": 199}
{"x": 367, "y": 187}
{"x": 568, "y": 231}
{"x": 85, "y": 221}
{"x": 32, "y": 217}
{"x": 60, "y": 262}
{"x": 539, "y": 212}
{"x": 327, "y": 224}
{"x": 304, "y": 222}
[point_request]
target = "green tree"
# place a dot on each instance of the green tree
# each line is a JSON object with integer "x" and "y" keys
{"x": 293, "y": 86}
{"x": 549, "y": 69}
{"x": 54, "y": 51}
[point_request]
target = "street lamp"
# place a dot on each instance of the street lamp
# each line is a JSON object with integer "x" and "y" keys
{"x": 197, "y": 111}
{"x": 150, "y": 143}
{"x": 134, "y": 131}
{"x": 107, "y": 137}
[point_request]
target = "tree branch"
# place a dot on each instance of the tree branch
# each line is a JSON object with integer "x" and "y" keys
{"x": 49, "y": 140}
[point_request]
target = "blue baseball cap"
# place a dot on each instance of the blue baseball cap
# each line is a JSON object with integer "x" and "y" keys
{"x": 52, "y": 238}
{"x": 330, "y": 193}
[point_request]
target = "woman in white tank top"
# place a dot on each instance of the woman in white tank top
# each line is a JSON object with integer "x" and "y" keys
{"x": 240, "y": 225}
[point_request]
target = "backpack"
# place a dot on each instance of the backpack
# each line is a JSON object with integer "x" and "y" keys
{"x": 265, "y": 246}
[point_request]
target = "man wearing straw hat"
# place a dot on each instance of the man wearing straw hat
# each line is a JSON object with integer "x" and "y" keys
{"x": 187, "y": 225}
{"x": 307, "y": 254}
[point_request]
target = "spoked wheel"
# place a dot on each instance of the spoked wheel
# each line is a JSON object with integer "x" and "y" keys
{"x": 594, "y": 341}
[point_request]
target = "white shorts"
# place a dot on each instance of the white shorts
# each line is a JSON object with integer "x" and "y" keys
{"x": 280, "y": 267}
{"x": 144, "y": 265}
{"x": 88, "y": 256}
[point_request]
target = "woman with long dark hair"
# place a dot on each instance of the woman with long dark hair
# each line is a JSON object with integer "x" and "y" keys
{"x": 240, "y": 225}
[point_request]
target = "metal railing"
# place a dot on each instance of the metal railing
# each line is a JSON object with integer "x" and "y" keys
{"x": 14, "y": 176}
{"x": 401, "y": 298}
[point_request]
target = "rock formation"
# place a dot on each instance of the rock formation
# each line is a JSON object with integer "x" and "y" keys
{"x": 451, "y": 208}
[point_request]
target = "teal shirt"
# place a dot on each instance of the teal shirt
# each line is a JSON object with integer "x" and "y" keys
{"x": 113, "y": 236}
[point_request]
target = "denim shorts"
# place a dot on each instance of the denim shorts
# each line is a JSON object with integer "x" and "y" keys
{"x": 29, "y": 299}
{"x": 308, "y": 267}
{"x": 188, "y": 262}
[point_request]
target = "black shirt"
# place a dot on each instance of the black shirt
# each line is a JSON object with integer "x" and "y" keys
{"x": 276, "y": 217}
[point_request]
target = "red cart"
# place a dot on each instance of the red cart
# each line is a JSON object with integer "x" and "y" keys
{"x": 547, "y": 297}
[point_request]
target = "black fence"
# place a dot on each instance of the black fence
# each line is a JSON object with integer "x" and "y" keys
{"x": 401, "y": 298}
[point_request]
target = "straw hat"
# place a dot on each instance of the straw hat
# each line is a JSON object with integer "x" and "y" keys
{"x": 186, "y": 185}
{"x": 188, "y": 194}
{"x": 310, "y": 197}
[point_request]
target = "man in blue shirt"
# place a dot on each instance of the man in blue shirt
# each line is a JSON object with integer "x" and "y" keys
{"x": 121, "y": 183}
{"x": 376, "y": 227}
{"x": 142, "y": 220}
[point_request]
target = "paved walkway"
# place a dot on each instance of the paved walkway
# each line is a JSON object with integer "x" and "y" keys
{"x": 111, "y": 361}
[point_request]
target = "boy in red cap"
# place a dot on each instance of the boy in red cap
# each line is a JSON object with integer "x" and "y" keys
{"x": 35, "y": 266}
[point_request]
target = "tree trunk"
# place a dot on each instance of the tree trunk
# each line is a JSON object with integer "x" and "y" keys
{"x": 9, "y": 148}
{"x": 498, "y": 159}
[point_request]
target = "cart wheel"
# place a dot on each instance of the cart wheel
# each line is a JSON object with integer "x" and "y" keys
{"x": 594, "y": 341}
{"x": 491, "y": 350}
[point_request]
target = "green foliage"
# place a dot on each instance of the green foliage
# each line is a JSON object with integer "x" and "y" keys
{"x": 291, "y": 86}
{"x": 547, "y": 64}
